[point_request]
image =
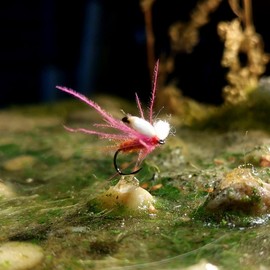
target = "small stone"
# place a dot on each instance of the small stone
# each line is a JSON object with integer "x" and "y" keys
{"x": 265, "y": 161}
{"x": 19, "y": 163}
{"x": 203, "y": 265}
{"x": 20, "y": 256}
{"x": 128, "y": 194}
{"x": 240, "y": 190}
{"x": 6, "y": 191}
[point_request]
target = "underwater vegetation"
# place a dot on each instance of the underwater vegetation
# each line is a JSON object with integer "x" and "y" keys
{"x": 243, "y": 55}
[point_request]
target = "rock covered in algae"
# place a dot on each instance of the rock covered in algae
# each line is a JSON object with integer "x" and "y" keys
{"x": 240, "y": 190}
{"x": 20, "y": 256}
{"x": 127, "y": 195}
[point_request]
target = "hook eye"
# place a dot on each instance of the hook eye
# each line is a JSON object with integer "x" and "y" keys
{"x": 117, "y": 167}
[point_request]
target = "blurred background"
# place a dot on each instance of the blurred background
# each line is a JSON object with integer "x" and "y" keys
{"x": 97, "y": 46}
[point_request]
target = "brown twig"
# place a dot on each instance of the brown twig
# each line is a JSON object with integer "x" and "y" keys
{"x": 248, "y": 13}
{"x": 146, "y": 6}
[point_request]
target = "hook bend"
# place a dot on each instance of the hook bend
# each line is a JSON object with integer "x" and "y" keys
{"x": 117, "y": 167}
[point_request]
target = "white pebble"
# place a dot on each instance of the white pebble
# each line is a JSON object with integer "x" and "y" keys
{"x": 6, "y": 191}
{"x": 20, "y": 256}
{"x": 129, "y": 194}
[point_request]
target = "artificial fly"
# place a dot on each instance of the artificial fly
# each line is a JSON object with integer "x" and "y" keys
{"x": 136, "y": 134}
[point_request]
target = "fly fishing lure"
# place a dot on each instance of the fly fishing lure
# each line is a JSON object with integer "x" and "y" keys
{"x": 136, "y": 134}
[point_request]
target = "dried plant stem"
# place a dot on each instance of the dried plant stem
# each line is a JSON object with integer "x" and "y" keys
{"x": 146, "y": 6}
{"x": 234, "y": 4}
{"x": 248, "y": 13}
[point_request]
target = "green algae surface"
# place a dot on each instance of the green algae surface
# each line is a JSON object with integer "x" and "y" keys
{"x": 55, "y": 175}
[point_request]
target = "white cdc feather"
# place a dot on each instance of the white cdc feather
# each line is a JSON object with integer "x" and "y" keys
{"x": 142, "y": 126}
{"x": 162, "y": 129}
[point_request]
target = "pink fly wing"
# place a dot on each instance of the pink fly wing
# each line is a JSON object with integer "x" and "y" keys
{"x": 100, "y": 134}
{"x": 127, "y": 132}
{"x": 107, "y": 117}
{"x": 154, "y": 88}
{"x": 142, "y": 145}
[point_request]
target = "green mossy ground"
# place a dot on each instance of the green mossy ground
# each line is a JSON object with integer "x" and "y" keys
{"x": 53, "y": 203}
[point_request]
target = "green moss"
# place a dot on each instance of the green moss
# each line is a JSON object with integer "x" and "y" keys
{"x": 10, "y": 150}
{"x": 57, "y": 210}
{"x": 169, "y": 192}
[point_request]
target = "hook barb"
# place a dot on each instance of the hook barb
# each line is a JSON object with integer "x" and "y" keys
{"x": 116, "y": 166}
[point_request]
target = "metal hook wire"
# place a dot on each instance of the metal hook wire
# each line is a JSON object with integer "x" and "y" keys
{"x": 116, "y": 166}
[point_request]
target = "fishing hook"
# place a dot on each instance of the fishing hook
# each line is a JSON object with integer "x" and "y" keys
{"x": 116, "y": 166}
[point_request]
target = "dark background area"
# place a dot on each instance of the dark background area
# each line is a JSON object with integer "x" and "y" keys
{"x": 100, "y": 47}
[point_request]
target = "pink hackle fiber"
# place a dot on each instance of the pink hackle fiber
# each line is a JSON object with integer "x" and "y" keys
{"x": 128, "y": 139}
{"x": 153, "y": 95}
